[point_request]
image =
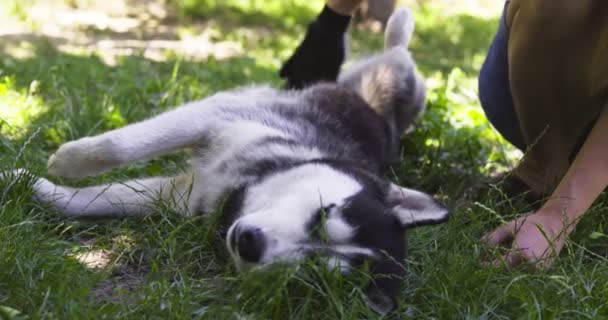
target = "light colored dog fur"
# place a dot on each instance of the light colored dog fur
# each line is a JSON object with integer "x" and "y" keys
{"x": 278, "y": 160}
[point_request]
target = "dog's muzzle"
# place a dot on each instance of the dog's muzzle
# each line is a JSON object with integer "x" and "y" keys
{"x": 248, "y": 243}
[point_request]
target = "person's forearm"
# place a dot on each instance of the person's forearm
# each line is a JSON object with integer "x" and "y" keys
{"x": 344, "y": 7}
{"x": 586, "y": 178}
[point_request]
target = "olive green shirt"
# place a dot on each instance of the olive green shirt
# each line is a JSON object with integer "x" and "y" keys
{"x": 558, "y": 70}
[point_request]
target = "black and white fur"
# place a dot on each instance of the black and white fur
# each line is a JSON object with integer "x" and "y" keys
{"x": 285, "y": 164}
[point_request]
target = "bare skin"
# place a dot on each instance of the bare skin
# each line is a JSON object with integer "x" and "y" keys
{"x": 344, "y": 7}
{"x": 568, "y": 78}
{"x": 539, "y": 237}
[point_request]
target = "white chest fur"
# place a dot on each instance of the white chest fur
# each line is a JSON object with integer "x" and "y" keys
{"x": 234, "y": 145}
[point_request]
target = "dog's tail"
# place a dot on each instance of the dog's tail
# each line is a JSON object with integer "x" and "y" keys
{"x": 400, "y": 28}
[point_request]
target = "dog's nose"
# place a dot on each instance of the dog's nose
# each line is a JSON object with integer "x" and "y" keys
{"x": 250, "y": 244}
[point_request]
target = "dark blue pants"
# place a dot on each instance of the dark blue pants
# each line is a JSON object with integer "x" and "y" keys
{"x": 495, "y": 91}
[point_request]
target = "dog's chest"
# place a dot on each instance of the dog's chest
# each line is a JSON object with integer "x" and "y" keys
{"x": 238, "y": 152}
{"x": 277, "y": 131}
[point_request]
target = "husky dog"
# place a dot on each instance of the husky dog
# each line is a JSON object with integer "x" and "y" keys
{"x": 284, "y": 165}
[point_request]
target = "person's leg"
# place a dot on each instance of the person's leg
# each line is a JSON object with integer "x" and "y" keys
{"x": 558, "y": 75}
{"x": 497, "y": 102}
{"x": 321, "y": 53}
{"x": 495, "y": 91}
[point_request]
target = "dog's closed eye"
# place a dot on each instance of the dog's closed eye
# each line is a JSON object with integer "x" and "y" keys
{"x": 316, "y": 225}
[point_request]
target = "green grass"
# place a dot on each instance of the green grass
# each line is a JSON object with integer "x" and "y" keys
{"x": 169, "y": 267}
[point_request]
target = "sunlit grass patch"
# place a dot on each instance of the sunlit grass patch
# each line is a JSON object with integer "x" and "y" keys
{"x": 478, "y": 8}
{"x": 16, "y": 8}
{"x": 18, "y": 107}
{"x": 286, "y": 14}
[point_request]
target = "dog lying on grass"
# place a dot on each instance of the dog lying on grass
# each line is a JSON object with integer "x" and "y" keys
{"x": 284, "y": 164}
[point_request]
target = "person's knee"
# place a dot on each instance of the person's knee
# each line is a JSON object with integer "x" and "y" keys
{"x": 561, "y": 12}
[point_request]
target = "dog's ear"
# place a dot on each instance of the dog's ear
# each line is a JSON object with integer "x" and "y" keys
{"x": 387, "y": 278}
{"x": 380, "y": 301}
{"x": 414, "y": 208}
{"x": 399, "y": 28}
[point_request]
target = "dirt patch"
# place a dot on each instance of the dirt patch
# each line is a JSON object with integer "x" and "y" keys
{"x": 120, "y": 283}
{"x": 114, "y": 28}
{"x": 122, "y": 276}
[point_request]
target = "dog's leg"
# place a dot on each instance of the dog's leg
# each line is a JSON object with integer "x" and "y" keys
{"x": 186, "y": 126}
{"x": 125, "y": 199}
{"x": 388, "y": 82}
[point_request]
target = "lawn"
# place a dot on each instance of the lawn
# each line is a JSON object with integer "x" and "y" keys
{"x": 71, "y": 68}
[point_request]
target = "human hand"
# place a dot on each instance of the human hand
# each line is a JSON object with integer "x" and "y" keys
{"x": 536, "y": 238}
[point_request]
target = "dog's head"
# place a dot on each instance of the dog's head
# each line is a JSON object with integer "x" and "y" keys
{"x": 347, "y": 215}
{"x": 342, "y": 212}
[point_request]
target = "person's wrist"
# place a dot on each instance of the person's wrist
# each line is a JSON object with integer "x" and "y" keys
{"x": 558, "y": 216}
{"x": 330, "y": 24}
{"x": 343, "y": 7}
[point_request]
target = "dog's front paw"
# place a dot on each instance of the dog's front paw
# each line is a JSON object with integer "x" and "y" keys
{"x": 81, "y": 158}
